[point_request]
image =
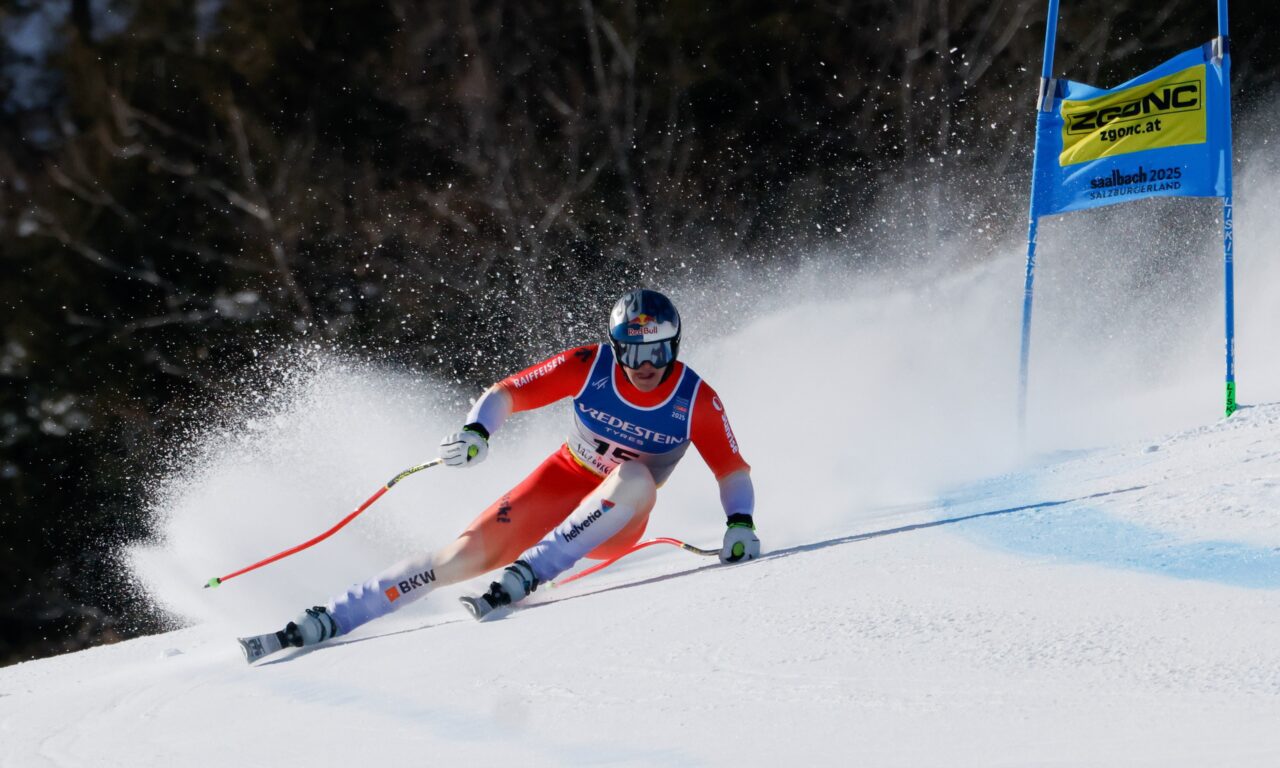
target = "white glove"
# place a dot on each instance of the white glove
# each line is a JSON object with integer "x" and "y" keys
{"x": 465, "y": 448}
{"x": 740, "y": 541}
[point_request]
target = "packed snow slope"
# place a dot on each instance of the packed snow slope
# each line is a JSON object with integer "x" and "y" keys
{"x": 1112, "y": 607}
{"x": 932, "y": 594}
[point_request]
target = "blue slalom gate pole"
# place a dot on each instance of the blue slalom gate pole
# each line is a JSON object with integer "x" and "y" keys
{"x": 1228, "y": 235}
{"x": 1025, "y": 356}
{"x": 1033, "y": 220}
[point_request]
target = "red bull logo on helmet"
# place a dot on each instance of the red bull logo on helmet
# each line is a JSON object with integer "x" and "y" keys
{"x": 642, "y": 325}
{"x": 650, "y": 326}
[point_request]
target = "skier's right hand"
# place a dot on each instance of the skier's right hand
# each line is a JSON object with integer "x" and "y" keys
{"x": 465, "y": 448}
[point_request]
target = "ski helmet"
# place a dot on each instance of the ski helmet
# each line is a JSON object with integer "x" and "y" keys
{"x": 644, "y": 327}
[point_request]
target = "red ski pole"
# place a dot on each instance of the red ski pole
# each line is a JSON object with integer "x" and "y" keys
{"x": 637, "y": 547}
{"x": 215, "y": 581}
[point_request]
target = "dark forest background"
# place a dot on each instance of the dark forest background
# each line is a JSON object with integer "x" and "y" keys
{"x": 185, "y": 181}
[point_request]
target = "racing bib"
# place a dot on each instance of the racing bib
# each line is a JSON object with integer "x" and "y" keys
{"x": 608, "y": 430}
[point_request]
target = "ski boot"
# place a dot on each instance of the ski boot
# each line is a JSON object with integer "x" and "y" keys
{"x": 311, "y": 627}
{"x": 516, "y": 583}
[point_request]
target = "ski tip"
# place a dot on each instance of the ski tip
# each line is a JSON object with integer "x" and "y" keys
{"x": 215, "y": 581}
{"x": 472, "y": 608}
{"x": 259, "y": 647}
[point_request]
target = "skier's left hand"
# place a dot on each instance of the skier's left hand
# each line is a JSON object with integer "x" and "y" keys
{"x": 740, "y": 541}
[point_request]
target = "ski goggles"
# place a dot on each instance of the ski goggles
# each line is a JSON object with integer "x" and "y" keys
{"x": 659, "y": 353}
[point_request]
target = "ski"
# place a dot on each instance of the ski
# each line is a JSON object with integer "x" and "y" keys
{"x": 260, "y": 646}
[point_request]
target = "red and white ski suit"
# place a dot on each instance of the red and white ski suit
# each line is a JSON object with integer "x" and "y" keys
{"x": 596, "y": 447}
{"x": 591, "y": 497}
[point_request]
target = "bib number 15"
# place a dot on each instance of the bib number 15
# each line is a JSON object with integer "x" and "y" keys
{"x": 619, "y": 453}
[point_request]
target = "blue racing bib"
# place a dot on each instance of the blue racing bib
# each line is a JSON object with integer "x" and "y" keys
{"x": 608, "y": 430}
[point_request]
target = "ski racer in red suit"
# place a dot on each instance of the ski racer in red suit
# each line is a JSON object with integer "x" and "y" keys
{"x": 636, "y": 409}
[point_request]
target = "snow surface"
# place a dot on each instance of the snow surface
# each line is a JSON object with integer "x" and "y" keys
{"x": 930, "y": 595}
{"x": 964, "y": 633}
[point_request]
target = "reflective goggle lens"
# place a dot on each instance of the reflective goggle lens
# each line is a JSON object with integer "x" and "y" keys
{"x": 659, "y": 353}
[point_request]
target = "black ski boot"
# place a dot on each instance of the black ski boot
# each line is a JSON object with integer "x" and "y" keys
{"x": 313, "y": 626}
{"x": 516, "y": 583}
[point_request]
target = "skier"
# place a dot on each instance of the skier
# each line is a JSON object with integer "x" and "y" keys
{"x": 636, "y": 409}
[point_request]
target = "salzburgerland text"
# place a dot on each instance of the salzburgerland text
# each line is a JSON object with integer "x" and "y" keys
{"x": 1140, "y": 182}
